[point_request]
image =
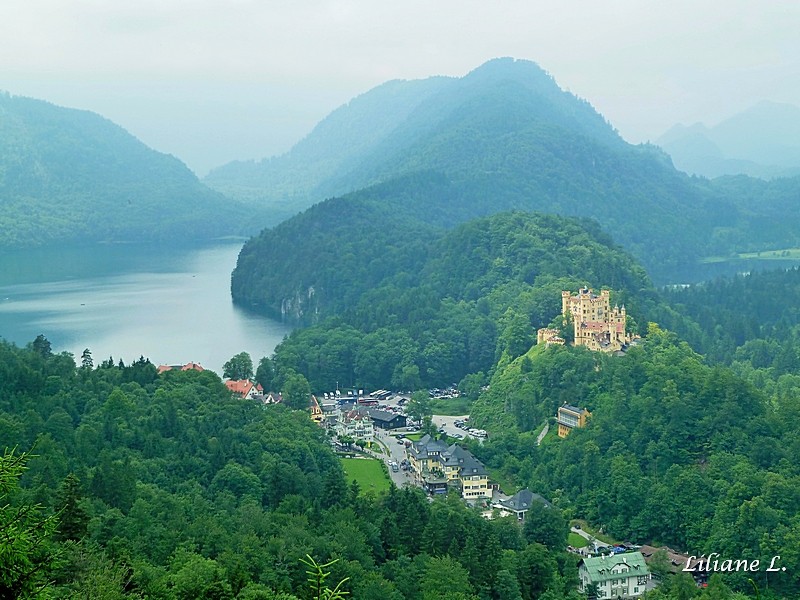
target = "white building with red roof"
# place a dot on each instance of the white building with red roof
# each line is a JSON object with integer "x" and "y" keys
{"x": 244, "y": 388}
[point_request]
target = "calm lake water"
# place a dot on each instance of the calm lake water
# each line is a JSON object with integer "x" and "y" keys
{"x": 171, "y": 306}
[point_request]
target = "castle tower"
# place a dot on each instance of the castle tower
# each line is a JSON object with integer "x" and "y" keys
{"x": 596, "y": 325}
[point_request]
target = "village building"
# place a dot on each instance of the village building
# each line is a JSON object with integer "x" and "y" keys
{"x": 331, "y": 412}
{"x": 384, "y": 419}
{"x": 316, "y": 411}
{"x": 615, "y": 575}
{"x": 676, "y": 562}
{"x": 439, "y": 467}
{"x": 272, "y": 398}
{"x": 519, "y": 504}
{"x": 356, "y": 424}
{"x": 569, "y": 417}
{"x": 244, "y": 388}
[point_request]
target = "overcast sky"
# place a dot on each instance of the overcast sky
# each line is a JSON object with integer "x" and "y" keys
{"x": 215, "y": 80}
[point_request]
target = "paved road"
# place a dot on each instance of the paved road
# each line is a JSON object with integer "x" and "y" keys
{"x": 590, "y": 538}
{"x": 542, "y": 434}
{"x": 397, "y": 453}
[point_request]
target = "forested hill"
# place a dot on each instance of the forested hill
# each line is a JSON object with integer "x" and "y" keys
{"x": 430, "y": 309}
{"x": 71, "y": 176}
{"x": 676, "y": 451}
{"x": 505, "y": 136}
{"x": 322, "y": 262}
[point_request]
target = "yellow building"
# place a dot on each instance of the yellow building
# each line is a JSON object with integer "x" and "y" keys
{"x": 437, "y": 466}
{"x": 596, "y": 325}
{"x": 569, "y": 417}
{"x": 316, "y": 412}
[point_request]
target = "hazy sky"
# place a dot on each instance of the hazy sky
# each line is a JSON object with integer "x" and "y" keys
{"x": 215, "y": 80}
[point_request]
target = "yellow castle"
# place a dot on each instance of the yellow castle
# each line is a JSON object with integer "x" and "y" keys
{"x": 597, "y": 326}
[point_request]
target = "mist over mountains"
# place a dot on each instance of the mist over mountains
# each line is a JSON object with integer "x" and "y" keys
{"x": 762, "y": 141}
{"x": 453, "y": 125}
{"x": 440, "y": 151}
{"x": 503, "y": 137}
{"x": 71, "y": 176}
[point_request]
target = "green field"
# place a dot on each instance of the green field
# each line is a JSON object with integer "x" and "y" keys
{"x": 367, "y": 472}
{"x": 784, "y": 254}
{"x": 576, "y": 541}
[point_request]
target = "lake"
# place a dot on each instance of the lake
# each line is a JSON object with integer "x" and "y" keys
{"x": 170, "y": 305}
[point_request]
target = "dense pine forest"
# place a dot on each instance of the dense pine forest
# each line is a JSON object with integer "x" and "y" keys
{"x": 135, "y": 485}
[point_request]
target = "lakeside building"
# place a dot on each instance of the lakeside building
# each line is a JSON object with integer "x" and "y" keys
{"x": 244, "y": 388}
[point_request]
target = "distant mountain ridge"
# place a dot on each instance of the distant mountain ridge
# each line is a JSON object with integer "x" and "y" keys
{"x": 389, "y": 131}
{"x": 71, "y": 176}
{"x": 762, "y": 141}
{"x": 292, "y": 181}
{"x": 503, "y": 137}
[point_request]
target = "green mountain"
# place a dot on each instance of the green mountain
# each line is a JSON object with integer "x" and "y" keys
{"x": 71, "y": 176}
{"x": 761, "y": 141}
{"x": 505, "y": 137}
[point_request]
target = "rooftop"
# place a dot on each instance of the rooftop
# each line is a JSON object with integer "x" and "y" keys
{"x": 605, "y": 567}
{"x": 523, "y": 500}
